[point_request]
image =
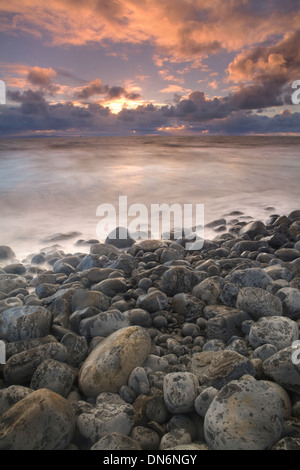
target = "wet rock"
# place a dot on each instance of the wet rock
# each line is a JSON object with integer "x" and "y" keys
{"x": 24, "y": 322}
{"x": 153, "y": 301}
{"x": 258, "y": 302}
{"x": 55, "y": 376}
{"x": 277, "y": 331}
{"x": 41, "y": 421}
{"x": 103, "y": 249}
{"x": 178, "y": 279}
{"x": 11, "y": 395}
{"x": 252, "y": 229}
{"x": 245, "y": 415}
{"x": 84, "y": 298}
{"x": 287, "y": 254}
{"x": 111, "y": 287}
{"x": 11, "y": 282}
{"x": 251, "y": 277}
{"x": 109, "y": 365}
{"x": 120, "y": 238}
{"x": 103, "y": 324}
{"x": 77, "y": 348}
{"x": 187, "y": 305}
{"x": 139, "y": 317}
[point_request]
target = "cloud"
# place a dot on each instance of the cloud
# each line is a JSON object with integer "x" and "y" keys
{"x": 96, "y": 87}
{"x": 180, "y": 31}
{"x": 173, "y": 89}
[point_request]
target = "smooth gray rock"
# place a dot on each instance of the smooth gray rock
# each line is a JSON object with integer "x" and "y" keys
{"x": 278, "y": 331}
{"x": 111, "y": 287}
{"x": 187, "y": 305}
{"x": 251, "y": 277}
{"x": 11, "y": 282}
{"x": 11, "y": 395}
{"x": 139, "y": 317}
{"x": 178, "y": 279}
{"x": 6, "y": 252}
{"x": 180, "y": 391}
{"x": 116, "y": 441}
{"x": 103, "y": 249}
{"x": 290, "y": 298}
{"x": 245, "y": 415}
{"x": 258, "y": 302}
{"x": 209, "y": 291}
{"x": 85, "y": 298}
{"x": 153, "y": 301}
{"x": 204, "y": 399}
{"x": 175, "y": 438}
{"x": 147, "y": 438}
{"x": 138, "y": 381}
{"x": 103, "y": 324}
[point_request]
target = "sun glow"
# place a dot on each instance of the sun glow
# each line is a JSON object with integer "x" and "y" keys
{"x": 119, "y": 104}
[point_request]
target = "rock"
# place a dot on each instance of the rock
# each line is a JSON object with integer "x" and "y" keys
{"x": 125, "y": 262}
{"x": 226, "y": 322}
{"x": 103, "y": 324}
{"x": 150, "y": 408}
{"x": 55, "y": 376}
{"x": 116, "y": 441}
{"x": 258, "y": 302}
{"x": 139, "y": 317}
{"x": 209, "y": 291}
{"x": 287, "y": 254}
{"x": 290, "y": 298}
{"x": 180, "y": 391}
{"x": 84, "y": 298}
{"x": 109, "y": 365}
{"x": 245, "y": 415}
{"x": 249, "y": 245}
{"x": 20, "y": 346}
{"x": 11, "y": 395}
{"x": 15, "y": 268}
{"x": 153, "y": 301}
{"x": 170, "y": 254}
{"x": 175, "y": 438}
{"x": 6, "y": 252}
{"x": 252, "y": 229}
{"x": 91, "y": 261}
{"x": 20, "y": 367}
{"x": 226, "y": 366}
{"x": 41, "y": 421}
{"x": 178, "y": 279}
{"x": 264, "y": 351}
{"x": 204, "y": 399}
{"x": 103, "y": 249}
{"x": 76, "y": 317}
{"x": 107, "y": 418}
{"x": 281, "y": 368}
{"x": 150, "y": 245}
{"x": 278, "y": 331}
{"x": 287, "y": 443}
{"x": 251, "y": 277}
{"x": 147, "y": 438}
{"x": 77, "y": 348}
{"x": 111, "y": 287}
{"x": 11, "y": 282}
{"x": 187, "y": 305}
{"x": 285, "y": 399}
{"x": 278, "y": 272}
{"x": 24, "y": 322}
{"x": 138, "y": 381}
{"x": 45, "y": 290}
{"x": 10, "y": 303}
{"x": 120, "y": 238}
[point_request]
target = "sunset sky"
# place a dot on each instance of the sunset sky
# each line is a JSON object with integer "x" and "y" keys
{"x": 159, "y": 67}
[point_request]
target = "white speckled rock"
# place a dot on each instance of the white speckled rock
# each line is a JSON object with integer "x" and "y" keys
{"x": 278, "y": 331}
{"x": 258, "y": 302}
{"x": 41, "y": 421}
{"x": 180, "y": 391}
{"x": 25, "y": 322}
{"x": 281, "y": 368}
{"x": 109, "y": 365}
{"x": 245, "y": 415}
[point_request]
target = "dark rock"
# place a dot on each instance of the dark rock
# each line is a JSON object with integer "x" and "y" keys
{"x": 120, "y": 238}
{"x": 6, "y": 252}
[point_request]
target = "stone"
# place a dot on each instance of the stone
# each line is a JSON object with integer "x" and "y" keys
{"x": 204, "y": 399}
{"x": 45, "y": 290}
{"x": 120, "y": 238}
{"x": 84, "y": 298}
{"x": 226, "y": 366}
{"x": 116, "y": 441}
{"x": 151, "y": 245}
{"x": 138, "y": 381}
{"x": 20, "y": 367}
{"x": 284, "y": 396}
{"x": 103, "y": 249}
{"x": 109, "y": 365}
{"x": 227, "y": 322}
{"x": 97, "y": 422}
{"x": 10, "y": 303}
{"x": 175, "y": 438}
{"x": 111, "y": 287}
{"x": 20, "y": 346}
{"x": 139, "y": 317}
{"x": 278, "y": 331}
{"x": 187, "y": 305}
{"x": 15, "y": 268}
{"x": 278, "y": 272}
{"x": 76, "y": 317}
{"x": 11, "y": 282}
{"x": 252, "y": 229}
{"x": 153, "y": 301}
{"x": 180, "y": 391}
{"x": 258, "y": 302}
{"x": 24, "y": 322}
{"x": 290, "y": 298}
{"x": 178, "y": 279}
{"x": 287, "y": 443}
{"x": 264, "y": 351}
{"x": 77, "y": 348}
{"x": 6, "y": 253}
{"x": 11, "y": 395}
{"x": 251, "y": 277}
{"x": 249, "y": 245}
{"x": 103, "y": 324}
{"x": 209, "y": 291}
{"x": 91, "y": 261}
{"x": 245, "y": 415}
{"x": 55, "y": 376}
{"x": 287, "y": 254}
{"x": 285, "y": 371}
{"x": 147, "y": 438}
{"x": 42, "y": 420}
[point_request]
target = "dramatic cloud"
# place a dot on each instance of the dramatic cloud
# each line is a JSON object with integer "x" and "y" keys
{"x": 96, "y": 87}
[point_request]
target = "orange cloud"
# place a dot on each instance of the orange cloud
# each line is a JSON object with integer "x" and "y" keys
{"x": 185, "y": 30}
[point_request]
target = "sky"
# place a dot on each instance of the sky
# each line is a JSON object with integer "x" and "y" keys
{"x": 149, "y": 67}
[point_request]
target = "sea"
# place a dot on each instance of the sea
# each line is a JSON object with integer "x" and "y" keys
{"x": 51, "y": 188}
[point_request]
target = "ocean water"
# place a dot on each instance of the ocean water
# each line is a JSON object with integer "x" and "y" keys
{"x": 55, "y": 185}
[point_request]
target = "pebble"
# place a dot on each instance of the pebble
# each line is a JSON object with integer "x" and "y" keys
{"x": 152, "y": 301}
{"x": 180, "y": 391}
{"x": 6, "y": 253}
{"x": 103, "y": 324}
{"x": 24, "y": 322}
{"x": 280, "y": 332}
{"x": 282, "y": 370}
{"x": 53, "y": 375}
{"x": 258, "y": 302}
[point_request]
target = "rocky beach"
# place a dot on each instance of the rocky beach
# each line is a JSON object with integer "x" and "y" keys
{"x": 144, "y": 345}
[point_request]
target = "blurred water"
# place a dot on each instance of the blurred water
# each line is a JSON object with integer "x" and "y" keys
{"x": 55, "y": 185}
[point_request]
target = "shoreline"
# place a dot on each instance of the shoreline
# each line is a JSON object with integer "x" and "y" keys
{"x": 144, "y": 347}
